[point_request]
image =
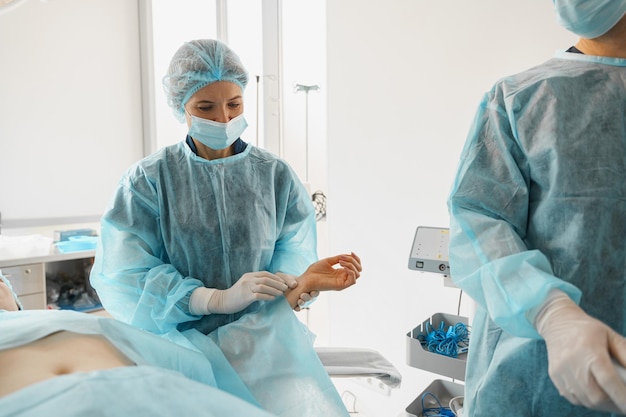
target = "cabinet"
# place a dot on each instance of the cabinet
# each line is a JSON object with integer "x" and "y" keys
{"x": 53, "y": 281}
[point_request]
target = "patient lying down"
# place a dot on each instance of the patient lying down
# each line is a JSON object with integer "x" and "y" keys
{"x": 38, "y": 345}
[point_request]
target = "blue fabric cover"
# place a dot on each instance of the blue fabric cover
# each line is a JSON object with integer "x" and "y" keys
{"x": 263, "y": 360}
{"x": 272, "y": 352}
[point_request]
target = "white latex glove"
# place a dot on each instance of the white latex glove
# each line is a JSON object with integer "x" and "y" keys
{"x": 580, "y": 351}
{"x": 306, "y": 299}
{"x": 251, "y": 287}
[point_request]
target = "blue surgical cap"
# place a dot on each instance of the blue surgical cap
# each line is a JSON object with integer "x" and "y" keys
{"x": 197, "y": 64}
{"x": 589, "y": 18}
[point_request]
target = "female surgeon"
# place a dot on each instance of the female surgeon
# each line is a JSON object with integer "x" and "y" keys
{"x": 538, "y": 226}
{"x": 199, "y": 232}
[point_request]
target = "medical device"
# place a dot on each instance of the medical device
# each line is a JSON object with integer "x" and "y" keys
{"x": 429, "y": 252}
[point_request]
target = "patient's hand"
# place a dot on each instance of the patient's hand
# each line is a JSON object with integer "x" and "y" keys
{"x": 333, "y": 274}
{"x": 329, "y": 274}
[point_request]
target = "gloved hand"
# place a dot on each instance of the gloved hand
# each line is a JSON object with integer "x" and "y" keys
{"x": 305, "y": 297}
{"x": 580, "y": 351}
{"x": 251, "y": 287}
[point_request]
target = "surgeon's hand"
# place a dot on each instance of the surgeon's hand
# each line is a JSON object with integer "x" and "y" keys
{"x": 251, "y": 287}
{"x": 305, "y": 297}
{"x": 580, "y": 351}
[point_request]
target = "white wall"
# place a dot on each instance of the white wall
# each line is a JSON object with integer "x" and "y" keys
{"x": 70, "y": 106}
{"x": 70, "y": 97}
{"x": 404, "y": 80}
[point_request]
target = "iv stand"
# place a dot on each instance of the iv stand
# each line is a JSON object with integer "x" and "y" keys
{"x": 318, "y": 197}
{"x": 306, "y": 89}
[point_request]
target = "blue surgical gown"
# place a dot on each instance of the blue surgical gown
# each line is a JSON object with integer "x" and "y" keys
{"x": 178, "y": 222}
{"x": 539, "y": 203}
{"x": 263, "y": 364}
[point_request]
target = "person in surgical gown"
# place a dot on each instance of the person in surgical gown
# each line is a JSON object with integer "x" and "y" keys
{"x": 538, "y": 229}
{"x": 201, "y": 231}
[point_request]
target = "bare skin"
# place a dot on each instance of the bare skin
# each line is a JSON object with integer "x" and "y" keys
{"x": 66, "y": 352}
{"x": 330, "y": 274}
{"x": 7, "y": 302}
{"x": 55, "y": 355}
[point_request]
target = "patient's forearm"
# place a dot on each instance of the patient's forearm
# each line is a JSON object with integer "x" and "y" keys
{"x": 329, "y": 274}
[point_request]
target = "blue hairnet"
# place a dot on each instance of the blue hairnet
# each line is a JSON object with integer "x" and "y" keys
{"x": 589, "y": 19}
{"x": 197, "y": 64}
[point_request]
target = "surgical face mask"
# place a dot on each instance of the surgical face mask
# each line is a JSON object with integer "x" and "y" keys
{"x": 217, "y": 135}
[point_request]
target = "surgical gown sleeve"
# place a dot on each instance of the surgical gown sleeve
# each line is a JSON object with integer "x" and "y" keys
{"x": 131, "y": 270}
{"x": 489, "y": 211}
{"x": 296, "y": 247}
